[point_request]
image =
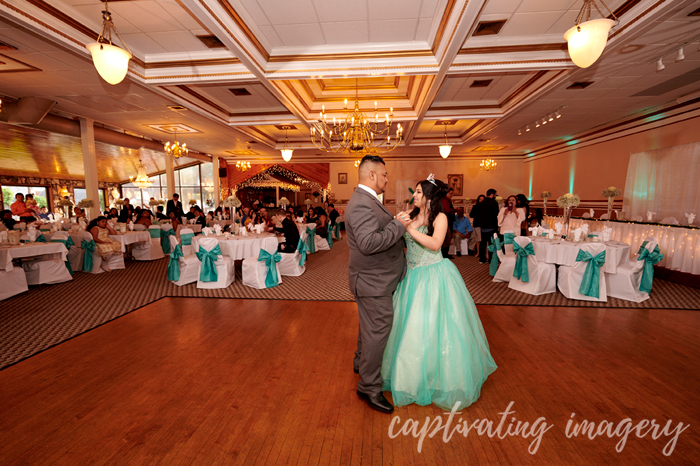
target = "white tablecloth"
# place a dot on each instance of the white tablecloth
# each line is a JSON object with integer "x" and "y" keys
{"x": 131, "y": 237}
{"x": 680, "y": 246}
{"x": 240, "y": 247}
{"x": 7, "y": 253}
{"x": 223, "y": 223}
{"x": 565, "y": 252}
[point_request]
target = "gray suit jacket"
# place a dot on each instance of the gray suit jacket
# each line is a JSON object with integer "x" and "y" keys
{"x": 377, "y": 261}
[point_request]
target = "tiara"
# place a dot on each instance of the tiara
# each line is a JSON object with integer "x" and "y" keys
{"x": 431, "y": 178}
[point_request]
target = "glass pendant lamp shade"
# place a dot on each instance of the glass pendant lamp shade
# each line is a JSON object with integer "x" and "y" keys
{"x": 287, "y": 154}
{"x": 111, "y": 62}
{"x": 445, "y": 150}
{"x": 587, "y": 41}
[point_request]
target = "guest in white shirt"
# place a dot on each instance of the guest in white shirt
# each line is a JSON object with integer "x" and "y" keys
{"x": 510, "y": 217}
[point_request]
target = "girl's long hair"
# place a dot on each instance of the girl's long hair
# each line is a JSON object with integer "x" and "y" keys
{"x": 433, "y": 193}
{"x": 94, "y": 221}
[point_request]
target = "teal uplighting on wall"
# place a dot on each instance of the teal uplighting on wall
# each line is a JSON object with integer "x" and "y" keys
{"x": 572, "y": 142}
{"x": 572, "y": 171}
{"x": 532, "y": 172}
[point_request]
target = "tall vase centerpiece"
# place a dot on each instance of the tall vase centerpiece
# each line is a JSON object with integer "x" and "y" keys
{"x": 86, "y": 204}
{"x": 567, "y": 202}
{"x": 611, "y": 193}
{"x": 545, "y": 195}
{"x": 232, "y": 202}
{"x": 65, "y": 203}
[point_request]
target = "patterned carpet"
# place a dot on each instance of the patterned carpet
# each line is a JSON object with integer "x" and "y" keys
{"x": 46, "y": 316}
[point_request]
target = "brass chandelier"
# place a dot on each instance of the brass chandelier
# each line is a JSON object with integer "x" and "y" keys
{"x": 141, "y": 181}
{"x": 357, "y": 134}
{"x": 242, "y": 165}
{"x": 175, "y": 149}
{"x": 488, "y": 164}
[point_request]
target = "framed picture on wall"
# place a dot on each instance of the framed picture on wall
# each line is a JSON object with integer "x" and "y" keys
{"x": 308, "y": 196}
{"x": 456, "y": 183}
{"x": 342, "y": 178}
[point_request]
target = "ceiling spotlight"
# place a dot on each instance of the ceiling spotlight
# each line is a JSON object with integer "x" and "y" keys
{"x": 557, "y": 114}
{"x": 520, "y": 132}
{"x": 538, "y": 124}
{"x": 551, "y": 118}
{"x": 680, "y": 56}
{"x": 544, "y": 121}
{"x": 660, "y": 65}
{"x": 527, "y": 128}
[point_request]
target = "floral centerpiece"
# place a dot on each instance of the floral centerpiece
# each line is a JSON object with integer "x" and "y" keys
{"x": 119, "y": 202}
{"x": 156, "y": 202}
{"x": 308, "y": 202}
{"x": 193, "y": 201}
{"x": 209, "y": 202}
{"x": 499, "y": 199}
{"x": 567, "y": 202}
{"x": 66, "y": 203}
{"x": 233, "y": 203}
{"x": 545, "y": 195}
{"x": 284, "y": 202}
{"x": 86, "y": 204}
{"x": 611, "y": 193}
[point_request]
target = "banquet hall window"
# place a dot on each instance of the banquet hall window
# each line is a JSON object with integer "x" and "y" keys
{"x": 39, "y": 192}
{"x": 79, "y": 194}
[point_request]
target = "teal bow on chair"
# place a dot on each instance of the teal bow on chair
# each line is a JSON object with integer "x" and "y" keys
{"x": 650, "y": 259}
{"x": 186, "y": 238}
{"x": 521, "y": 271}
{"x": 174, "y": 264}
{"x": 301, "y": 248}
{"x": 41, "y": 239}
{"x": 590, "y": 283}
{"x": 208, "y": 272}
{"x": 508, "y": 238}
{"x": 270, "y": 260}
{"x": 311, "y": 240}
{"x": 89, "y": 247}
{"x": 155, "y": 233}
{"x": 329, "y": 237}
{"x": 336, "y": 229}
{"x": 68, "y": 243}
{"x": 165, "y": 241}
{"x": 494, "y": 247}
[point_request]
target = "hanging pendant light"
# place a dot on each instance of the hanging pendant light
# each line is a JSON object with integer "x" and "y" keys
{"x": 111, "y": 62}
{"x": 445, "y": 148}
{"x": 587, "y": 40}
{"x": 286, "y": 151}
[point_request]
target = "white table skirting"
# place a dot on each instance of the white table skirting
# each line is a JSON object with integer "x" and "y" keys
{"x": 53, "y": 250}
{"x": 240, "y": 247}
{"x": 565, "y": 252}
{"x": 131, "y": 237}
{"x": 680, "y": 246}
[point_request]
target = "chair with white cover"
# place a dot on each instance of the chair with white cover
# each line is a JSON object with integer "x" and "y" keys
{"x": 605, "y": 216}
{"x": 91, "y": 261}
{"x": 321, "y": 243}
{"x": 12, "y": 282}
{"x": 585, "y": 280}
{"x": 293, "y": 264}
{"x": 186, "y": 235}
{"x": 166, "y": 231}
{"x": 529, "y": 275}
{"x": 263, "y": 271}
{"x": 336, "y": 230}
{"x": 48, "y": 271}
{"x": 216, "y": 270}
{"x": 151, "y": 250}
{"x": 63, "y": 237}
{"x": 494, "y": 248}
{"x": 310, "y": 240}
{"x": 508, "y": 237}
{"x": 670, "y": 221}
{"x": 636, "y": 218}
{"x": 586, "y": 215}
{"x": 139, "y": 227}
{"x": 182, "y": 269}
{"x": 464, "y": 244}
{"x": 633, "y": 280}
{"x": 507, "y": 266}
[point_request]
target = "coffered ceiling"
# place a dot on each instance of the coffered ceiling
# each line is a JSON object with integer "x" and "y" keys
{"x": 245, "y": 70}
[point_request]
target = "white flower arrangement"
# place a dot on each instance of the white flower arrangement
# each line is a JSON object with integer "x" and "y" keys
{"x": 308, "y": 202}
{"x": 568, "y": 200}
{"x": 284, "y": 201}
{"x": 119, "y": 202}
{"x": 156, "y": 202}
{"x": 86, "y": 204}
{"x": 232, "y": 201}
{"x": 193, "y": 201}
{"x": 499, "y": 199}
{"x": 612, "y": 191}
{"x": 64, "y": 202}
{"x": 545, "y": 194}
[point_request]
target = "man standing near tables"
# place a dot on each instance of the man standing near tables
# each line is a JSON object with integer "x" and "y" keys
{"x": 462, "y": 229}
{"x": 488, "y": 219}
{"x": 174, "y": 205}
{"x": 127, "y": 210}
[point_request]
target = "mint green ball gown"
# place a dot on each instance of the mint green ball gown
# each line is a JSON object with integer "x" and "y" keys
{"x": 437, "y": 350}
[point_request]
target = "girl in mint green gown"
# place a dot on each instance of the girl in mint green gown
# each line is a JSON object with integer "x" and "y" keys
{"x": 437, "y": 351}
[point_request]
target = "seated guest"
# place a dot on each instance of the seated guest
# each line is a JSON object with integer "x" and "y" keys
{"x": 126, "y": 212}
{"x": 79, "y": 213}
{"x": 7, "y": 220}
{"x": 44, "y": 214}
{"x": 145, "y": 218}
{"x": 113, "y": 213}
{"x": 200, "y": 219}
{"x": 219, "y": 211}
{"x": 311, "y": 215}
{"x": 300, "y": 215}
{"x": 174, "y": 219}
{"x": 100, "y": 231}
{"x": 321, "y": 223}
{"x": 461, "y": 229}
{"x": 137, "y": 213}
{"x": 245, "y": 216}
{"x": 264, "y": 219}
{"x": 19, "y": 208}
{"x": 535, "y": 219}
{"x": 191, "y": 214}
{"x": 290, "y": 231}
{"x": 159, "y": 213}
{"x": 210, "y": 216}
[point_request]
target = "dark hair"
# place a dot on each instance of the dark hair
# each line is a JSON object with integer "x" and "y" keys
{"x": 94, "y": 221}
{"x": 434, "y": 194}
{"x": 491, "y": 191}
{"x": 450, "y": 189}
{"x": 2, "y": 214}
{"x": 479, "y": 198}
{"x": 330, "y": 204}
{"x": 177, "y": 196}
{"x": 320, "y": 211}
{"x": 29, "y": 196}
{"x": 159, "y": 208}
{"x": 300, "y": 213}
{"x": 372, "y": 159}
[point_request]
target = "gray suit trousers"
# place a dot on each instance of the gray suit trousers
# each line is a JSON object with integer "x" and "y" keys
{"x": 376, "y": 316}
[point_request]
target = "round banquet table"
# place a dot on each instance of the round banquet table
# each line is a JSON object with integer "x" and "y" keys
{"x": 131, "y": 237}
{"x": 564, "y": 252}
{"x": 240, "y": 247}
{"x": 49, "y": 250}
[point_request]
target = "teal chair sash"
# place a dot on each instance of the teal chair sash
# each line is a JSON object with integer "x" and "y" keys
{"x": 208, "y": 271}
{"x": 165, "y": 240}
{"x": 494, "y": 247}
{"x": 336, "y": 229}
{"x": 590, "y": 283}
{"x": 68, "y": 243}
{"x": 270, "y": 260}
{"x": 89, "y": 247}
{"x": 155, "y": 234}
{"x": 508, "y": 238}
{"x": 650, "y": 259}
{"x": 329, "y": 237}
{"x": 521, "y": 271}
{"x": 41, "y": 239}
{"x": 186, "y": 238}
{"x": 301, "y": 248}
{"x": 174, "y": 264}
{"x": 311, "y": 239}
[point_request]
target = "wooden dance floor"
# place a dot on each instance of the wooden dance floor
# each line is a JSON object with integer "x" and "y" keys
{"x": 221, "y": 381}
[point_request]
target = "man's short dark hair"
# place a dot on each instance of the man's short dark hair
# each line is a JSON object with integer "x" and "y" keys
{"x": 159, "y": 208}
{"x": 330, "y": 204}
{"x": 371, "y": 158}
{"x": 176, "y": 195}
{"x": 450, "y": 189}
{"x": 490, "y": 191}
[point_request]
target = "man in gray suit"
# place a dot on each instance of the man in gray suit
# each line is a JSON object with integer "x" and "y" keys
{"x": 377, "y": 264}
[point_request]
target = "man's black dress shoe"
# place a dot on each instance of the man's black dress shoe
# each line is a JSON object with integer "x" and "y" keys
{"x": 377, "y": 402}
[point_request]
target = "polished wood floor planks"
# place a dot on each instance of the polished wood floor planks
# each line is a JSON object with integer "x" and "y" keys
{"x": 222, "y": 381}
